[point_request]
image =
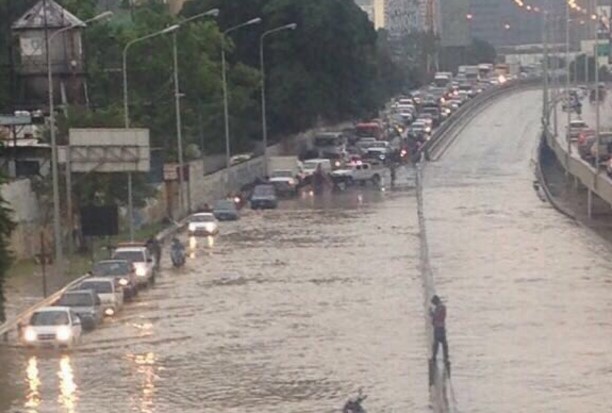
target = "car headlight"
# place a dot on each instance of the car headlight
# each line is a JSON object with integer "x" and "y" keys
{"x": 428, "y": 129}
{"x": 123, "y": 282}
{"x": 192, "y": 227}
{"x": 109, "y": 311}
{"x": 63, "y": 333}
{"x": 209, "y": 226}
{"x": 30, "y": 335}
{"x": 141, "y": 272}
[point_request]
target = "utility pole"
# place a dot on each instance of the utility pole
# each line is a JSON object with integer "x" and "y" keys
{"x": 568, "y": 75}
{"x": 545, "y": 67}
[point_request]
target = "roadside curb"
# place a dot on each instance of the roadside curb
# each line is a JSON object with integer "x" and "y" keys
{"x": 541, "y": 178}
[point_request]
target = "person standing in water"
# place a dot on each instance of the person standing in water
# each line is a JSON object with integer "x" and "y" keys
{"x": 438, "y": 320}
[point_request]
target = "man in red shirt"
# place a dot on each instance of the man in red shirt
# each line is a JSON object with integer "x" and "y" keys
{"x": 438, "y": 320}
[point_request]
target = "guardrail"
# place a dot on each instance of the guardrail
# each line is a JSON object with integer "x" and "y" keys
{"x": 435, "y": 146}
{"x": 11, "y": 326}
{"x": 592, "y": 178}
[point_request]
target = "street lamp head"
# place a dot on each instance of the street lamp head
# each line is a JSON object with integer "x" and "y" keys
{"x": 105, "y": 15}
{"x": 212, "y": 12}
{"x": 170, "y": 29}
{"x": 256, "y": 20}
{"x": 291, "y": 26}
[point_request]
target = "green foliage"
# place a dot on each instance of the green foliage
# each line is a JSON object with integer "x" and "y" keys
{"x": 6, "y": 228}
{"x": 326, "y": 69}
{"x": 481, "y": 51}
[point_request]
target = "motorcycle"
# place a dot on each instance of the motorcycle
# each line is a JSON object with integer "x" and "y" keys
{"x": 354, "y": 405}
{"x": 177, "y": 255}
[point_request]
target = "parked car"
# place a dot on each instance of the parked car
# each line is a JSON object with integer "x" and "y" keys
{"x": 120, "y": 270}
{"x": 226, "y": 210}
{"x": 84, "y": 303}
{"x": 203, "y": 224}
{"x": 54, "y": 327}
{"x": 141, "y": 259}
{"x": 240, "y": 158}
{"x": 264, "y": 197}
{"x": 109, "y": 292}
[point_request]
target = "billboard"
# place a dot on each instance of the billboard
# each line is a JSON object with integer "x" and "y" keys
{"x": 109, "y": 150}
{"x": 454, "y": 25}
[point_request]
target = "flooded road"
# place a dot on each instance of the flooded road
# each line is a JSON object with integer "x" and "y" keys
{"x": 290, "y": 310}
{"x": 528, "y": 291}
{"x": 293, "y": 310}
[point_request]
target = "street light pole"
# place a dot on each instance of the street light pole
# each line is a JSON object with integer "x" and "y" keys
{"x": 545, "y": 67}
{"x": 264, "y": 126}
{"x": 57, "y": 231}
{"x": 126, "y": 114}
{"x": 256, "y": 20}
{"x": 179, "y": 135}
{"x": 567, "y": 74}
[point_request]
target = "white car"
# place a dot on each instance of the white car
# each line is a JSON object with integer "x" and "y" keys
{"x": 53, "y": 327}
{"x": 310, "y": 166}
{"x": 203, "y": 223}
{"x": 109, "y": 291}
{"x": 284, "y": 181}
{"x": 141, "y": 259}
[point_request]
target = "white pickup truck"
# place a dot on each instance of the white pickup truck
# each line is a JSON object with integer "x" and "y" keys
{"x": 360, "y": 172}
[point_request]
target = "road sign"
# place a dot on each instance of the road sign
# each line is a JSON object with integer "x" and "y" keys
{"x": 109, "y": 150}
{"x": 10, "y": 120}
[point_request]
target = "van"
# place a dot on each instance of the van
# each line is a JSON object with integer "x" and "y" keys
{"x": 310, "y": 166}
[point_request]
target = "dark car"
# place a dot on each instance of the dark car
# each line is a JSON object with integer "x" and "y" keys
{"x": 264, "y": 197}
{"x": 86, "y": 304}
{"x": 122, "y": 271}
{"x": 225, "y": 210}
{"x": 435, "y": 114}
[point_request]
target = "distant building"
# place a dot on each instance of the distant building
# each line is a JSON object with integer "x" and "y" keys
{"x": 66, "y": 54}
{"x": 402, "y": 17}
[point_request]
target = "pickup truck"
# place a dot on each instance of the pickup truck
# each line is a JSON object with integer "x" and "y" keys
{"x": 141, "y": 259}
{"x": 361, "y": 172}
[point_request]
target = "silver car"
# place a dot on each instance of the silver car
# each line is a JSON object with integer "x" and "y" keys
{"x": 85, "y": 304}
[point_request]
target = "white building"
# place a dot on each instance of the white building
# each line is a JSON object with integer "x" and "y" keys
{"x": 402, "y": 17}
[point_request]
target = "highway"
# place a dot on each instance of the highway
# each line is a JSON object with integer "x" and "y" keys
{"x": 527, "y": 289}
{"x": 293, "y": 310}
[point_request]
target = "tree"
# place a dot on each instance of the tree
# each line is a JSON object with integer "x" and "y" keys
{"x": 326, "y": 69}
{"x": 6, "y": 228}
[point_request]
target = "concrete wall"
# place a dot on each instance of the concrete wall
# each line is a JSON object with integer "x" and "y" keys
{"x": 22, "y": 200}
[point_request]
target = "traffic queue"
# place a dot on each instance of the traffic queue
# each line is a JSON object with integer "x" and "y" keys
{"x": 579, "y": 134}
{"x": 364, "y": 154}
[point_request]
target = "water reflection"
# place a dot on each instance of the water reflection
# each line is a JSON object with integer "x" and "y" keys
{"x": 32, "y": 402}
{"x": 210, "y": 241}
{"x": 193, "y": 245}
{"x": 67, "y": 397}
{"x": 145, "y": 365}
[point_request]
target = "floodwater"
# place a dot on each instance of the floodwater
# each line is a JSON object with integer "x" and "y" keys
{"x": 528, "y": 291}
{"x": 291, "y": 310}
